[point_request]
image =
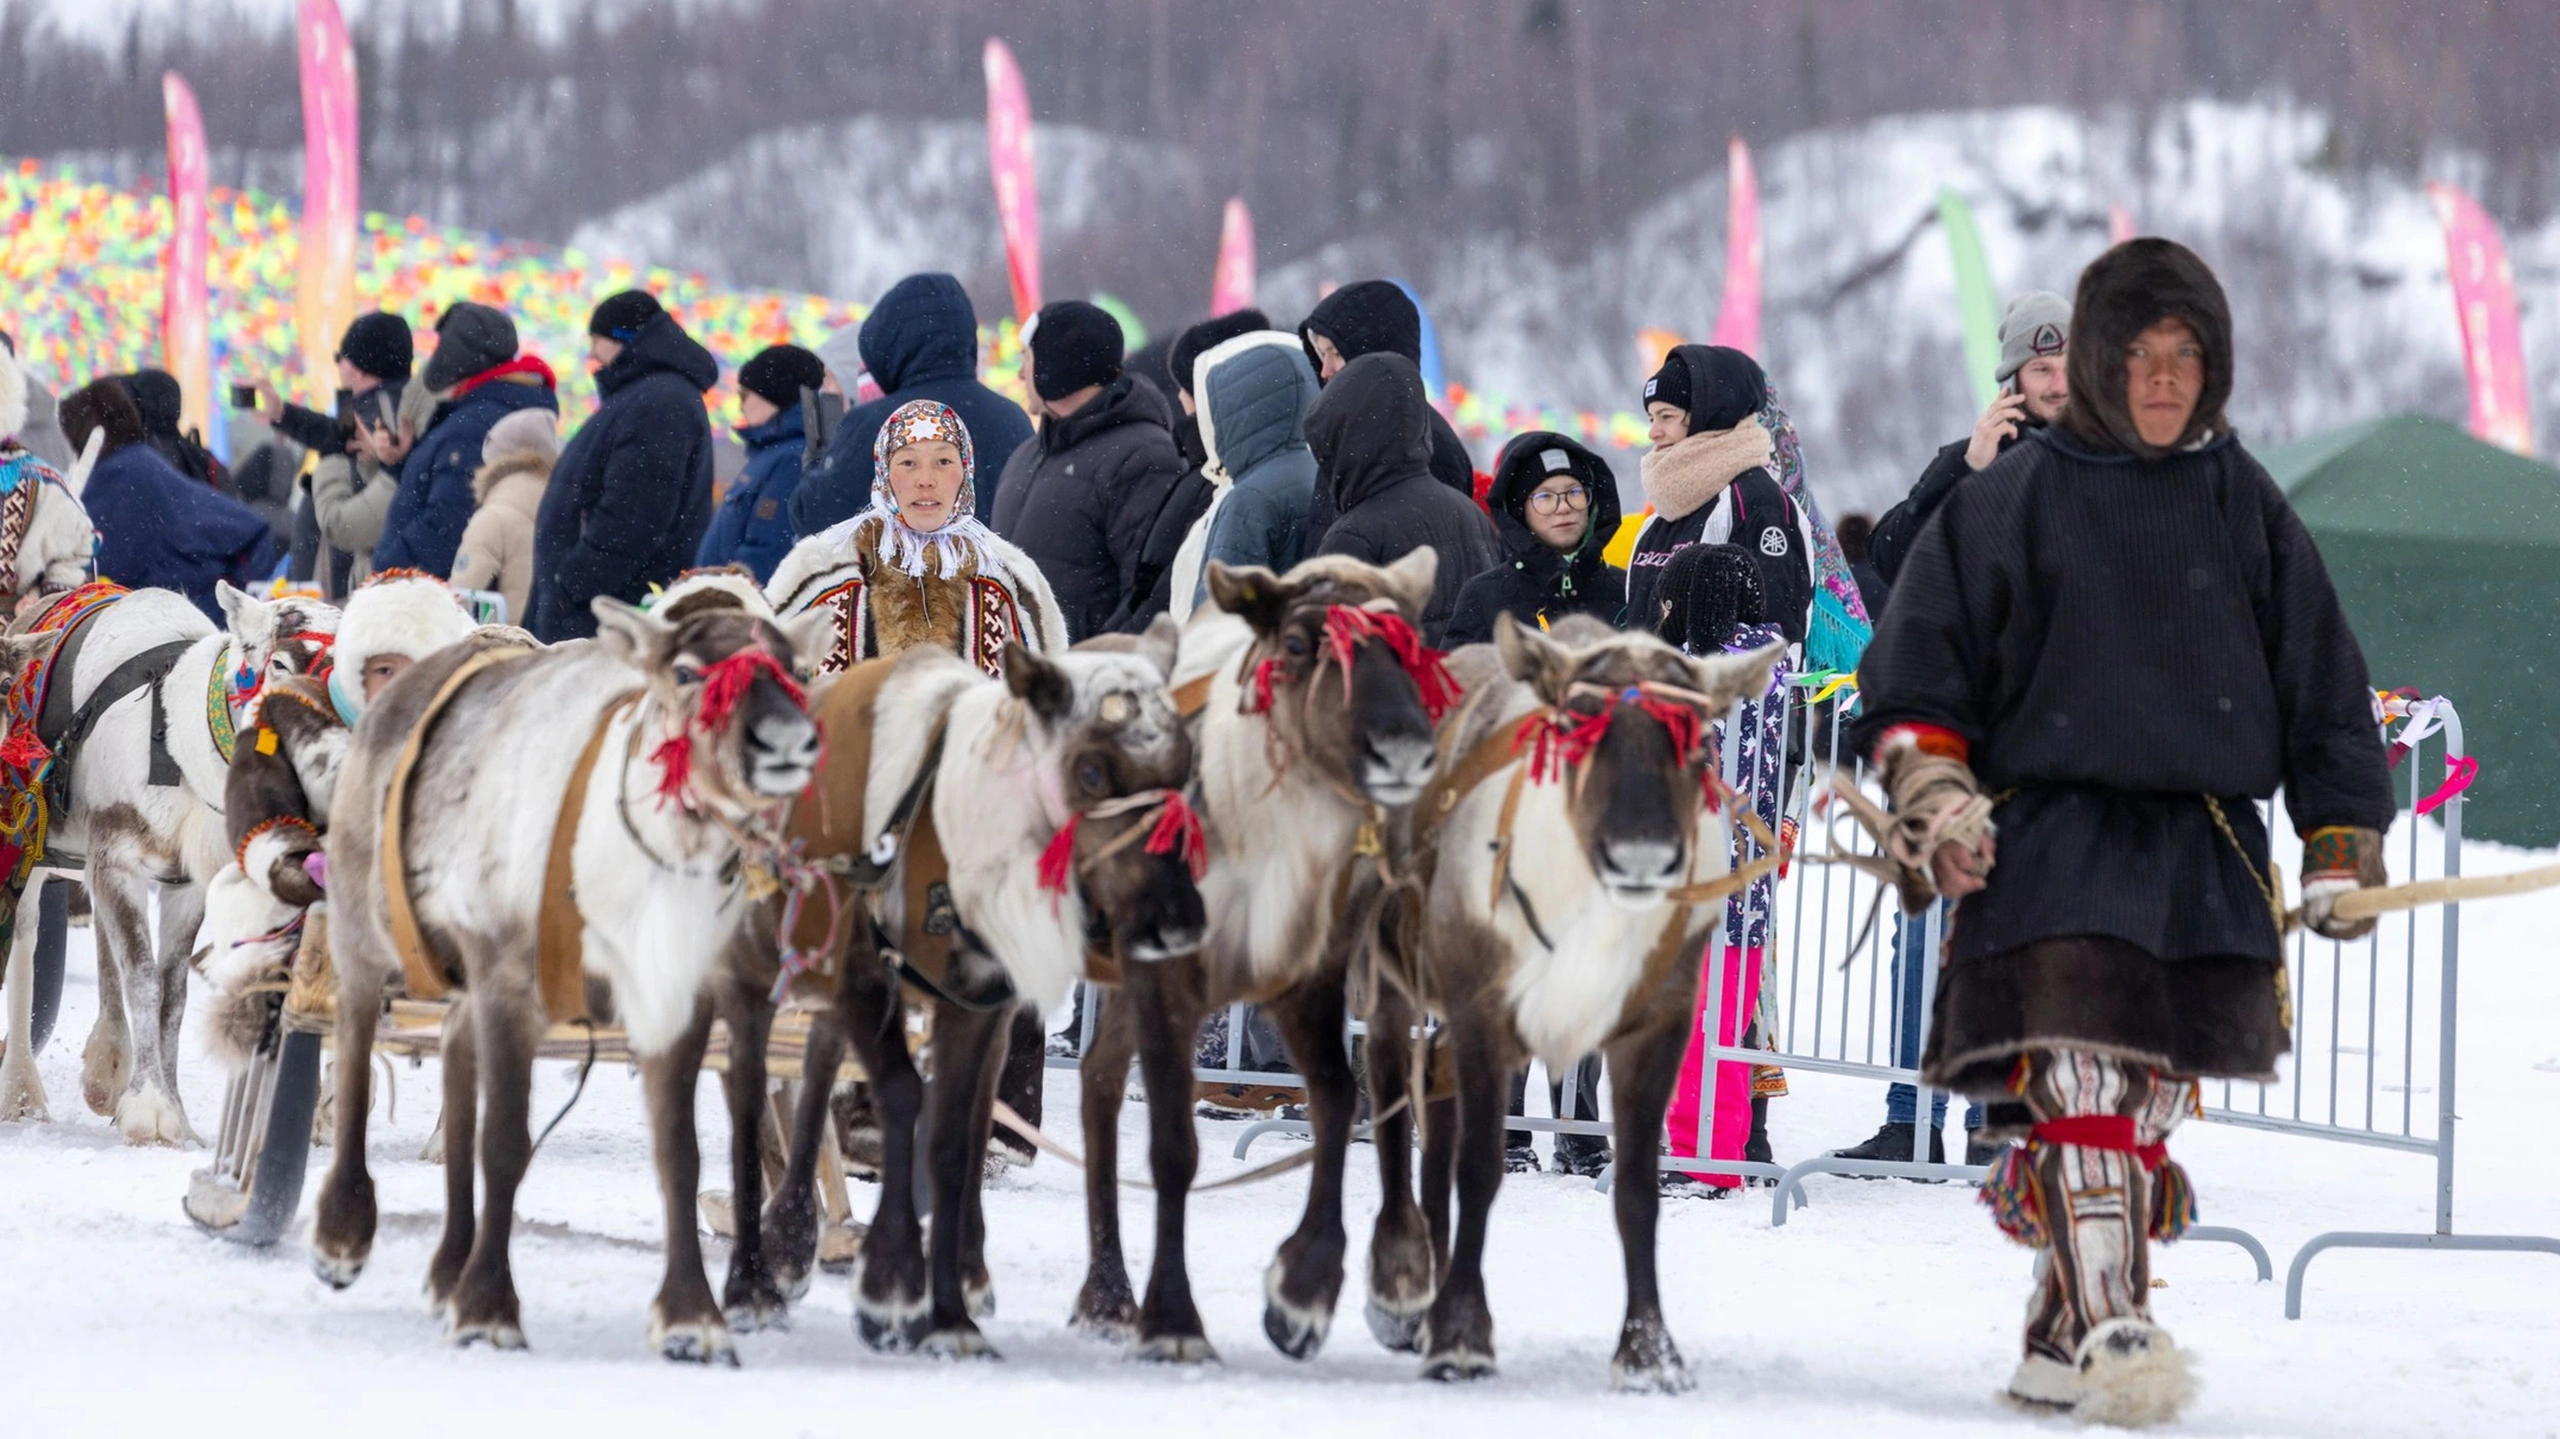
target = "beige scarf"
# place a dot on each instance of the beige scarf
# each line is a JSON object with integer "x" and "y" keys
{"x": 1683, "y": 479}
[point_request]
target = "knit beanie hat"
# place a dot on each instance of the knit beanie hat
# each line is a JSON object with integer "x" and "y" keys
{"x": 1200, "y": 339}
{"x": 156, "y": 394}
{"x": 1707, "y": 592}
{"x": 2036, "y": 324}
{"x": 470, "y": 337}
{"x": 379, "y": 345}
{"x": 1073, "y": 344}
{"x": 1718, "y": 386}
{"x": 528, "y": 434}
{"x": 619, "y": 317}
{"x": 780, "y": 372}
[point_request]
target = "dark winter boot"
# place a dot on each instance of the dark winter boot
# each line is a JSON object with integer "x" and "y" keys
{"x": 1892, "y": 1143}
{"x": 1519, "y": 1159}
{"x": 1979, "y": 1151}
{"x": 1756, "y": 1147}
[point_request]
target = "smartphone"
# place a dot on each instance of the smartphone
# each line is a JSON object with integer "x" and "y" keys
{"x": 383, "y": 414}
{"x": 244, "y": 397}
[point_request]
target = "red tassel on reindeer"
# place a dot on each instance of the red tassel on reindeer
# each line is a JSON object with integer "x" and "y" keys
{"x": 22, "y": 752}
{"x": 1058, "y": 861}
{"x": 1178, "y": 831}
{"x": 1346, "y": 625}
{"x": 726, "y": 683}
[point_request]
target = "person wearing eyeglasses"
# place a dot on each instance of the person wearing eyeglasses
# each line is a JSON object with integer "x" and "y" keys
{"x": 1554, "y": 505}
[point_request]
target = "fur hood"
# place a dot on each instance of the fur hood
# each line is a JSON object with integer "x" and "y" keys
{"x": 13, "y": 395}
{"x": 398, "y": 614}
{"x": 1681, "y": 480}
{"x": 2122, "y": 293}
{"x": 497, "y": 472}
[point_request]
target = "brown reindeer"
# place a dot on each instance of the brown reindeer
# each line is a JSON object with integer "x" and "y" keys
{"x": 1314, "y": 722}
{"x": 1576, "y": 856}
{"x": 693, "y": 732}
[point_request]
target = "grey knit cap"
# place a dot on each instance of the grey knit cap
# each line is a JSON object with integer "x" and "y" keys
{"x": 2036, "y": 323}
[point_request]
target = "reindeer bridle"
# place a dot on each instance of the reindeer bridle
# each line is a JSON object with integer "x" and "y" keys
{"x": 1346, "y": 627}
{"x": 1177, "y": 831}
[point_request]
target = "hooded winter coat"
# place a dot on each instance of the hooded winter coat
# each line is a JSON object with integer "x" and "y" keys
{"x": 1716, "y": 487}
{"x": 1536, "y": 583}
{"x": 1375, "y": 317}
{"x": 2120, "y": 639}
{"x": 752, "y": 527}
{"x": 425, "y": 515}
{"x": 159, "y": 529}
{"x": 919, "y": 343}
{"x": 1371, "y": 435}
{"x": 1080, "y": 497}
{"x": 631, "y": 495}
{"x": 1254, "y": 400}
{"x": 497, "y": 547}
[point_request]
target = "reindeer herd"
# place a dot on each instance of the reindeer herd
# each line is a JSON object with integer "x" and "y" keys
{"x": 1514, "y": 850}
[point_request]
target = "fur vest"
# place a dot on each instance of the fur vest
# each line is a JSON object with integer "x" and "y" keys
{"x": 881, "y": 610}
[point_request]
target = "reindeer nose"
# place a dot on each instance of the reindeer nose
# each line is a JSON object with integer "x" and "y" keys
{"x": 1395, "y": 767}
{"x": 784, "y": 743}
{"x": 1641, "y": 862}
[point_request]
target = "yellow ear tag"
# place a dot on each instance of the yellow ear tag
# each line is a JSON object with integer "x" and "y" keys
{"x": 266, "y": 740}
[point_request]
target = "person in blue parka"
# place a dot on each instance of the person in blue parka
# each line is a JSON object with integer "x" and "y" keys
{"x": 752, "y": 527}
{"x": 158, "y": 529}
{"x": 475, "y": 378}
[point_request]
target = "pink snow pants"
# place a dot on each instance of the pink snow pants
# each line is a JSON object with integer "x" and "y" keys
{"x": 1733, "y": 1079}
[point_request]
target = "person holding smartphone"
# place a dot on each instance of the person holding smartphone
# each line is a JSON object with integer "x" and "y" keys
{"x": 350, "y": 489}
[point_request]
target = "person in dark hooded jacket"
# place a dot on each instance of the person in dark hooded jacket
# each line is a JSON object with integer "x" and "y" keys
{"x": 919, "y": 343}
{"x": 1371, "y": 434}
{"x": 156, "y": 527}
{"x": 1377, "y": 317}
{"x": 1081, "y": 495}
{"x": 1152, "y": 595}
{"x": 631, "y": 495}
{"x": 1555, "y": 506}
{"x": 474, "y": 379}
{"x": 1709, "y": 480}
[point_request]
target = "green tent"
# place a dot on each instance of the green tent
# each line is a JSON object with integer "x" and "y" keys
{"x": 2447, "y": 554}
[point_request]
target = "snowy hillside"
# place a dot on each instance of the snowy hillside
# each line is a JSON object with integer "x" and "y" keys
{"x": 2338, "y": 279}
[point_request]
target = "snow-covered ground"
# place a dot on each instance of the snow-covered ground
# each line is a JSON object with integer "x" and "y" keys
{"x": 1885, "y": 1308}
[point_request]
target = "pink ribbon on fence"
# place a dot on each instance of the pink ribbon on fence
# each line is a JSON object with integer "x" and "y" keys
{"x": 2458, "y": 774}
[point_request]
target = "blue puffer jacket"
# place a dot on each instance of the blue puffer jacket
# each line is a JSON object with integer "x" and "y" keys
{"x": 1253, "y": 419}
{"x": 752, "y": 527}
{"x": 159, "y": 529}
{"x": 919, "y": 343}
{"x": 434, "y": 502}
{"x": 631, "y": 495}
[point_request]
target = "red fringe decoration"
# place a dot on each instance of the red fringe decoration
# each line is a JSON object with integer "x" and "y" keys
{"x": 724, "y": 685}
{"x": 675, "y": 768}
{"x": 1178, "y": 831}
{"x": 22, "y": 752}
{"x": 1262, "y": 677}
{"x": 1562, "y": 738}
{"x": 2015, "y": 1194}
{"x": 1345, "y": 626}
{"x": 1058, "y": 861}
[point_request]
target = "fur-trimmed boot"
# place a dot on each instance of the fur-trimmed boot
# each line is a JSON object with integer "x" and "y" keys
{"x": 2132, "y": 1374}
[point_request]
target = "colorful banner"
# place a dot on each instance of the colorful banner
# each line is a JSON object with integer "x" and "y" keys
{"x": 185, "y": 335}
{"x": 1017, "y": 179}
{"x": 1738, "y": 320}
{"x": 1978, "y": 308}
{"x": 325, "y": 289}
{"x": 1654, "y": 345}
{"x": 2484, "y": 300}
{"x": 1231, "y": 287}
{"x": 2119, "y": 225}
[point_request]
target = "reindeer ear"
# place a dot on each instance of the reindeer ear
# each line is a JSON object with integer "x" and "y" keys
{"x": 1410, "y": 579}
{"x": 239, "y": 608}
{"x": 1726, "y": 678}
{"x": 812, "y": 634}
{"x": 78, "y": 480}
{"x": 17, "y": 652}
{"x": 1260, "y": 596}
{"x": 630, "y": 633}
{"x": 1530, "y": 657}
{"x": 1161, "y": 643}
{"x": 1038, "y": 683}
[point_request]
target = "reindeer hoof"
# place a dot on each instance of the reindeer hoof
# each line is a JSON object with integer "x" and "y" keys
{"x": 149, "y": 1116}
{"x": 337, "y": 1271}
{"x": 762, "y": 1308}
{"x": 981, "y": 1299}
{"x": 1297, "y": 1330}
{"x": 22, "y": 1094}
{"x": 1648, "y": 1362}
{"x": 1400, "y": 1331}
{"x": 1176, "y": 1349}
{"x": 1458, "y": 1365}
{"x": 497, "y": 1333}
{"x": 1109, "y": 1319}
{"x": 104, "y": 1068}
{"x": 703, "y": 1341}
{"x": 966, "y": 1343}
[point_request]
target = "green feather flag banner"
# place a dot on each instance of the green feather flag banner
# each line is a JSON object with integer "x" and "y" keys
{"x": 1975, "y": 304}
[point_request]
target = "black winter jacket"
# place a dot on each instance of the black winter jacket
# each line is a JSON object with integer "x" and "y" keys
{"x": 1537, "y": 584}
{"x": 1081, "y": 495}
{"x": 631, "y": 495}
{"x": 1753, "y": 512}
{"x": 1151, "y": 594}
{"x": 919, "y": 343}
{"x": 1372, "y": 441}
{"x": 1901, "y": 524}
{"x": 1376, "y": 317}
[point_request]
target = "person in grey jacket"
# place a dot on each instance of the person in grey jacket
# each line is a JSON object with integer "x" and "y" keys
{"x": 1371, "y": 433}
{"x": 1253, "y": 394}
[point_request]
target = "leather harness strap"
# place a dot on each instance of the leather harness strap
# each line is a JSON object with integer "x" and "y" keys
{"x": 560, "y": 930}
{"x": 1192, "y": 695}
{"x": 426, "y": 981}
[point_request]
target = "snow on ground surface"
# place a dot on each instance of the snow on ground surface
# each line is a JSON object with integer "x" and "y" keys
{"x": 1885, "y": 1308}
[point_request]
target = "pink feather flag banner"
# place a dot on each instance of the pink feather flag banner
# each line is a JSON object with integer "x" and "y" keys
{"x": 1231, "y": 288}
{"x": 1738, "y": 320}
{"x": 325, "y": 291}
{"x": 1017, "y": 180}
{"x": 2119, "y": 224}
{"x": 186, "y": 343}
{"x": 2484, "y": 300}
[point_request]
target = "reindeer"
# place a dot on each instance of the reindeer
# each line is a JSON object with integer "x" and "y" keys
{"x": 1315, "y": 703}
{"x": 1575, "y": 857}
{"x": 1052, "y": 802}
{"x": 141, "y": 699}
{"x": 692, "y": 732}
